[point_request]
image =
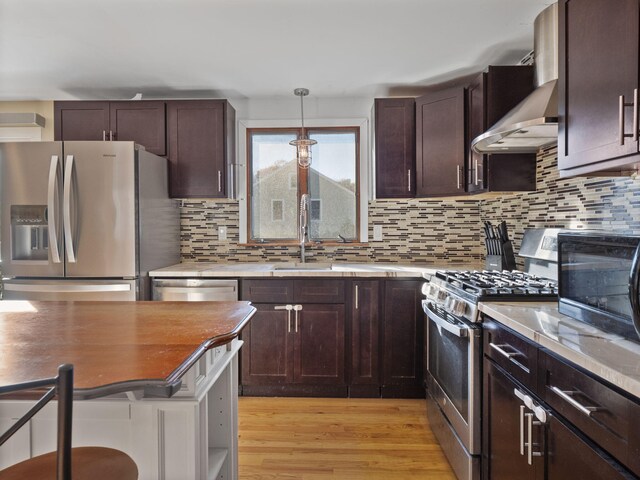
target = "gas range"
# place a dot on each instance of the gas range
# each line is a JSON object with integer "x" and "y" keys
{"x": 459, "y": 292}
{"x": 454, "y": 341}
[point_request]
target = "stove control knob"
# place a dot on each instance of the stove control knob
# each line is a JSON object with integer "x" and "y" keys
{"x": 442, "y": 296}
{"x": 458, "y": 307}
{"x": 447, "y": 302}
{"x": 431, "y": 291}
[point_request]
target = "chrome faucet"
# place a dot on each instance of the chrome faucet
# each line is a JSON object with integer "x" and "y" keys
{"x": 303, "y": 233}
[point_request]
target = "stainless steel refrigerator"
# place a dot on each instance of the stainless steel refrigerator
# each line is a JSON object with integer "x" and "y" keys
{"x": 84, "y": 220}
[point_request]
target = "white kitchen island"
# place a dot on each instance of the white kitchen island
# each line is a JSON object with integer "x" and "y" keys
{"x": 190, "y": 436}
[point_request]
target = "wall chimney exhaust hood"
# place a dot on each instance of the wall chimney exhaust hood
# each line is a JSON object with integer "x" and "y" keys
{"x": 21, "y": 120}
{"x": 533, "y": 123}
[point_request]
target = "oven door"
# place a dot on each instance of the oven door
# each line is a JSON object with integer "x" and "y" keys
{"x": 454, "y": 355}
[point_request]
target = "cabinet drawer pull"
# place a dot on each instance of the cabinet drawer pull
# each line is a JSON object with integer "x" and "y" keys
{"x": 509, "y": 355}
{"x": 504, "y": 353}
{"x": 567, "y": 396}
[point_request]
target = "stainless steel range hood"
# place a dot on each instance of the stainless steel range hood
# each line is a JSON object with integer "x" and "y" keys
{"x": 533, "y": 123}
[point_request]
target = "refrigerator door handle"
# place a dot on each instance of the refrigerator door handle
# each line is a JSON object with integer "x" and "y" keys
{"x": 66, "y": 207}
{"x": 52, "y": 209}
{"x": 24, "y": 287}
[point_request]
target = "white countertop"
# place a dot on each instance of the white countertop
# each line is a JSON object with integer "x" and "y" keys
{"x": 290, "y": 269}
{"x": 606, "y": 355}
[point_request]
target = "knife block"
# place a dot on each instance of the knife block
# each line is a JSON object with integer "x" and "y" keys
{"x": 493, "y": 262}
{"x": 506, "y": 261}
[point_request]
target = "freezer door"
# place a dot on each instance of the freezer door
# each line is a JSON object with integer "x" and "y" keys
{"x": 30, "y": 196}
{"x": 70, "y": 290}
{"x": 99, "y": 209}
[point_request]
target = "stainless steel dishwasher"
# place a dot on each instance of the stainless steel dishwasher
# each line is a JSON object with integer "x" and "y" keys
{"x": 194, "y": 290}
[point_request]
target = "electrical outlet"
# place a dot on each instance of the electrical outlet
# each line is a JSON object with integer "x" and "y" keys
{"x": 222, "y": 233}
{"x": 377, "y": 233}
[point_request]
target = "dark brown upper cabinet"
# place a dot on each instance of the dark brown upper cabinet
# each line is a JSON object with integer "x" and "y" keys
{"x": 201, "y": 148}
{"x": 141, "y": 121}
{"x": 490, "y": 97}
{"x": 395, "y": 144}
{"x": 598, "y": 64}
{"x": 440, "y": 143}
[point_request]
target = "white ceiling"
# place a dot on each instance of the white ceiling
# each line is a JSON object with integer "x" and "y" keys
{"x": 57, "y": 49}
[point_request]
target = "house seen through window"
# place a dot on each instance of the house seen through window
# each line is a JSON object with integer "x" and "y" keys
{"x": 276, "y": 183}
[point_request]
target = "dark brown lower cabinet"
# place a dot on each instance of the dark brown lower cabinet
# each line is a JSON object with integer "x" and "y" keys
{"x": 570, "y": 456}
{"x": 319, "y": 357}
{"x": 365, "y": 324}
{"x": 364, "y": 351}
{"x": 502, "y": 454}
{"x": 294, "y": 346}
{"x": 333, "y": 337}
{"x": 526, "y": 436}
{"x": 268, "y": 351}
{"x": 402, "y": 349}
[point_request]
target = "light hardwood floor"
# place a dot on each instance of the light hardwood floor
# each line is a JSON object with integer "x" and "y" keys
{"x": 331, "y": 438}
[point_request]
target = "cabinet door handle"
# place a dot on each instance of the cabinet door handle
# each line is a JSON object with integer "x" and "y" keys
{"x": 475, "y": 168}
{"x": 409, "y": 180}
{"x": 297, "y": 308}
{"x": 621, "y": 106}
{"x": 458, "y": 170}
{"x": 567, "y": 396}
{"x": 621, "y": 118}
{"x": 522, "y": 407}
{"x": 356, "y": 297}
{"x": 219, "y": 181}
{"x": 634, "y": 134}
{"x": 104, "y": 135}
{"x": 288, "y": 308}
{"x": 110, "y": 136}
{"x": 529, "y": 438}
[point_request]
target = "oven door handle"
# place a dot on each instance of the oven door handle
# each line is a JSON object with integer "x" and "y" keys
{"x": 448, "y": 326}
{"x": 634, "y": 289}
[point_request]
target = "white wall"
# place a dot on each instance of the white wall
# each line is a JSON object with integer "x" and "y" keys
{"x": 285, "y": 108}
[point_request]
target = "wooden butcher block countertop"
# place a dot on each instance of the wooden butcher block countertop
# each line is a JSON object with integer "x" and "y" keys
{"x": 114, "y": 346}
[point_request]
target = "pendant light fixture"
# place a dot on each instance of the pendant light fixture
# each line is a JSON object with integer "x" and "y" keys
{"x": 302, "y": 143}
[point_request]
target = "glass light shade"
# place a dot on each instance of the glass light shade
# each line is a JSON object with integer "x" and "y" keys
{"x": 303, "y": 146}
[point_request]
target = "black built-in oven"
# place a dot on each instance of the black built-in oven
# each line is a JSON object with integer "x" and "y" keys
{"x": 599, "y": 280}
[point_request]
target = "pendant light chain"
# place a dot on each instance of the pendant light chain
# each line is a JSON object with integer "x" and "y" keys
{"x": 302, "y": 144}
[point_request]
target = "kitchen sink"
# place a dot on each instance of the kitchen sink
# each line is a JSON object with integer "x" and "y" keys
{"x": 303, "y": 266}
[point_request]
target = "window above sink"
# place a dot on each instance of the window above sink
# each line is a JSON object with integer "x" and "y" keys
{"x": 273, "y": 183}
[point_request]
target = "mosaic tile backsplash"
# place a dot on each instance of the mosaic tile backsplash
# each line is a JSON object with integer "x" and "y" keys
{"x": 433, "y": 231}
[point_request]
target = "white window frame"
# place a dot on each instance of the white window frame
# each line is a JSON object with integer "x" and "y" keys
{"x": 365, "y": 166}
